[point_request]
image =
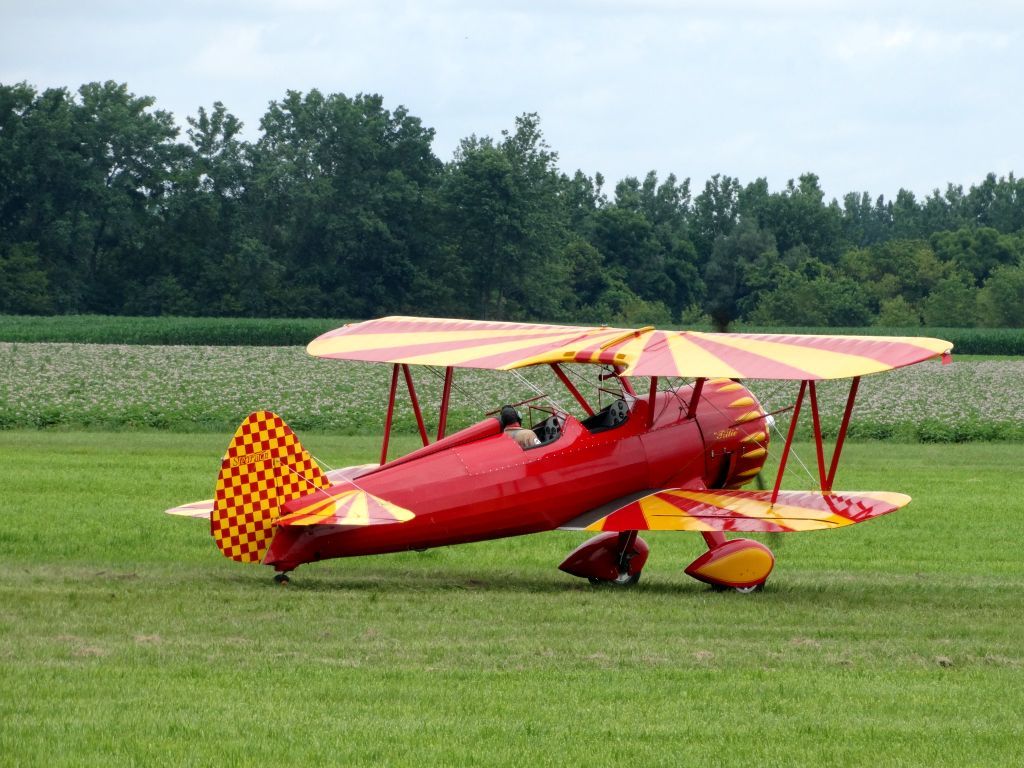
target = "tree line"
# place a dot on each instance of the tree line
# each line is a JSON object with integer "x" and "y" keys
{"x": 340, "y": 208}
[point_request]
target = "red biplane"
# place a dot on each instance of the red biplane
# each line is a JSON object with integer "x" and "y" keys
{"x": 663, "y": 456}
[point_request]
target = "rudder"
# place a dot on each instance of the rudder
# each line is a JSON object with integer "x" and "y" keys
{"x": 264, "y": 467}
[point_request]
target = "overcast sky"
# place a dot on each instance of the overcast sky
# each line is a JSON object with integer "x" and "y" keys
{"x": 870, "y": 95}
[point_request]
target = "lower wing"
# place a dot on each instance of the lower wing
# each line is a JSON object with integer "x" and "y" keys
{"x": 679, "y": 509}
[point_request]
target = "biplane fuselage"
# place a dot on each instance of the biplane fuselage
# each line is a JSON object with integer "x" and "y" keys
{"x": 478, "y": 484}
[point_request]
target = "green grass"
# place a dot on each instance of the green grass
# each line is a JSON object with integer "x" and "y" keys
{"x": 126, "y": 639}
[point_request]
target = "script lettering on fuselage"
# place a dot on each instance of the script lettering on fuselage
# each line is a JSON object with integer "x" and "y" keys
{"x": 726, "y": 434}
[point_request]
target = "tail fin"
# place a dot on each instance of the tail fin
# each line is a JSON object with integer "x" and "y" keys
{"x": 264, "y": 467}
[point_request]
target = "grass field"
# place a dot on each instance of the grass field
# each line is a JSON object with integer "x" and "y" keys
{"x": 126, "y": 639}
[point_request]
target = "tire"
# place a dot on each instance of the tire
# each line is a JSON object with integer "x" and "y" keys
{"x": 750, "y": 589}
{"x": 741, "y": 590}
{"x": 623, "y": 580}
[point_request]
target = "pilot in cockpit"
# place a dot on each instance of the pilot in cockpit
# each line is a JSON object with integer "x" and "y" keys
{"x": 512, "y": 425}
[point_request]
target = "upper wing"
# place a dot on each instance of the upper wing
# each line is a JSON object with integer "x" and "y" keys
{"x": 642, "y": 352}
{"x": 462, "y": 343}
{"x": 771, "y": 356}
{"x": 749, "y": 511}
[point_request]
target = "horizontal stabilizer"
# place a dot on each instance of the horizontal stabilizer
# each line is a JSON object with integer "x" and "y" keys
{"x": 350, "y": 508}
{"x": 679, "y": 509}
{"x": 198, "y": 509}
{"x": 201, "y": 509}
{"x": 336, "y": 476}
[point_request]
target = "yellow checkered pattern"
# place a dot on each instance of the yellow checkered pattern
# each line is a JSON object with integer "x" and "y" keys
{"x": 265, "y": 466}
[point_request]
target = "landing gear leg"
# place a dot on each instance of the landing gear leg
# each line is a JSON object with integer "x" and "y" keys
{"x": 613, "y": 557}
{"x": 624, "y": 554}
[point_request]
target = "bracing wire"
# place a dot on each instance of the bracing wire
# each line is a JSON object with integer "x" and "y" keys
{"x": 772, "y": 425}
{"x": 539, "y": 391}
{"x": 455, "y": 387}
{"x": 317, "y": 488}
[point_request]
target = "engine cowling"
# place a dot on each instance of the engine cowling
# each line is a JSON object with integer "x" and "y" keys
{"x": 735, "y": 431}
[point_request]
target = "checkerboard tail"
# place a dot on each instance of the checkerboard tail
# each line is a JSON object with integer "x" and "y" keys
{"x": 264, "y": 467}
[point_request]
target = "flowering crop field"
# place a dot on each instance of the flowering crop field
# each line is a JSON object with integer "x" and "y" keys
{"x": 197, "y": 388}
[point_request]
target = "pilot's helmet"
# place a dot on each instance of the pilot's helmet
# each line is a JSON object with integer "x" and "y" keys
{"x": 509, "y": 415}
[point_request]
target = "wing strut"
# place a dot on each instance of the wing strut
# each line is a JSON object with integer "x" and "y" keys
{"x": 651, "y": 401}
{"x": 623, "y": 381}
{"x": 390, "y": 416}
{"x": 442, "y": 419}
{"x": 841, "y": 437}
{"x": 789, "y": 442}
{"x": 825, "y": 478}
{"x": 819, "y": 448}
{"x": 415, "y": 405}
{"x": 698, "y": 387}
{"x": 572, "y": 388}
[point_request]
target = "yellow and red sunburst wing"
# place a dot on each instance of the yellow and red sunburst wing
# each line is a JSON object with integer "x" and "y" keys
{"x": 748, "y": 511}
{"x": 461, "y": 343}
{"x": 770, "y": 356}
{"x": 641, "y": 352}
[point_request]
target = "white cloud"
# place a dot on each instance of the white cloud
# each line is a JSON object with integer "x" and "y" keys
{"x": 873, "y": 41}
{"x": 869, "y": 94}
{"x": 232, "y": 52}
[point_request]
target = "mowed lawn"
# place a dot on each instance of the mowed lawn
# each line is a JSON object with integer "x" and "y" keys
{"x": 126, "y": 639}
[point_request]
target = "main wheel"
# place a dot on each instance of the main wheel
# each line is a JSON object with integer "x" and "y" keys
{"x": 751, "y": 588}
{"x": 741, "y": 590}
{"x": 622, "y": 580}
